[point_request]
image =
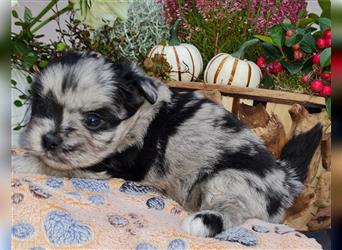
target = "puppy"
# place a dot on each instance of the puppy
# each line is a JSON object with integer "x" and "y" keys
{"x": 94, "y": 118}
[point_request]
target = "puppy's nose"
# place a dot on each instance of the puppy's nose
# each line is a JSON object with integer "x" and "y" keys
{"x": 51, "y": 141}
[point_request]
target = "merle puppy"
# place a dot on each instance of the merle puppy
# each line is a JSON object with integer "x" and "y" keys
{"x": 95, "y": 118}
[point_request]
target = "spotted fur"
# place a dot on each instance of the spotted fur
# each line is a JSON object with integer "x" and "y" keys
{"x": 182, "y": 144}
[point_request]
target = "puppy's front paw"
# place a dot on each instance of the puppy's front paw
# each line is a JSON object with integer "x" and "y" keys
{"x": 203, "y": 224}
{"x": 25, "y": 165}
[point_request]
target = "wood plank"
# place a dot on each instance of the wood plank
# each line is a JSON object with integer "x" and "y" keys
{"x": 235, "y": 106}
{"x": 258, "y": 94}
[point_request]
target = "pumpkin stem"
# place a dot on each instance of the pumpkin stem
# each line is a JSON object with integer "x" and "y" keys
{"x": 241, "y": 52}
{"x": 174, "y": 41}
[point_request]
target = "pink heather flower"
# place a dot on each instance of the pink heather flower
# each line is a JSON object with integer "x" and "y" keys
{"x": 261, "y": 14}
{"x": 274, "y": 13}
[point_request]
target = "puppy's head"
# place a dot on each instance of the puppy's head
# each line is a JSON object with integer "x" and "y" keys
{"x": 81, "y": 104}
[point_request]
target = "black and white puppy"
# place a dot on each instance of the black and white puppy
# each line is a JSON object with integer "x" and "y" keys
{"x": 95, "y": 118}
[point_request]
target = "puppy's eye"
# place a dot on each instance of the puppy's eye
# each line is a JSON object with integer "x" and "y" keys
{"x": 93, "y": 121}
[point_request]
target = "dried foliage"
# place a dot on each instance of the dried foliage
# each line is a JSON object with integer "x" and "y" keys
{"x": 158, "y": 67}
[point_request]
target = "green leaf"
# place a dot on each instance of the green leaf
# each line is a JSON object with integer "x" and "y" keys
{"x": 13, "y": 82}
{"x": 304, "y": 21}
{"x": 314, "y": 17}
{"x": 277, "y": 35}
{"x": 325, "y": 6}
{"x": 19, "y": 48}
{"x": 29, "y": 79}
{"x": 20, "y": 23}
{"x": 14, "y": 14}
{"x": 271, "y": 51}
{"x": 61, "y": 47}
{"x": 324, "y": 23}
{"x": 300, "y": 31}
{"x": 294, "y": 40}
{"x": 266, "y": 39}
{"x": 286, "y": 20}
{"x": 27, "y": 34}
{"x": 23, "y": 97}
{"x": 267, "y": 81}
{"x": 310, "y": 30}
{"x": 308, "y": 44}
{"x": 30, "y": 59}
{"x": 293, "y": 67}
{"x": 39, "y": 36}
{"x": 18, "y": 127}
{"x": 18, "y": 103}
{"x": 328, "y": 105}
{"x": 288, "y": 26}
{"x": 325, "y": 58}
{"x": 307, "y": 67}
{"x": 27, "y": 15}
{"x": 43, "y": 63}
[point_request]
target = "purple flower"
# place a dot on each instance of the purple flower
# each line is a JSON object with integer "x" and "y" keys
{"x": 261, "y": 14}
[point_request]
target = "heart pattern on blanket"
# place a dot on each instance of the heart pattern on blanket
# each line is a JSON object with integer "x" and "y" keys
{"x": 145, "y": 246}
{"x": 156, "y": 203}
{"x": 177, "y": 244}
{"x": 130, "y": 187}
{"x": 54, "y": 182}
{"x": 90, "y": 185}
{"x": 238, "y": 234}
{"x": 22, "y": 230}
{"x": 62, "y": 229}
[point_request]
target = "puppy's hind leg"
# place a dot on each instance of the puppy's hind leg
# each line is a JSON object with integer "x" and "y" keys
{"x": 208, "y": 223}
{"x": 203, "y": 224}
{"x": 227, "y": 201}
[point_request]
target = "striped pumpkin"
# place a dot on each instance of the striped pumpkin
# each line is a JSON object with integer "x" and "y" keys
{"x": 226, "y": 69}
{"x": 185, "y": 60}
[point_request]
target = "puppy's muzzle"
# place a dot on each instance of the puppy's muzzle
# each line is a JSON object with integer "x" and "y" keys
{"x": 51, "y": 141}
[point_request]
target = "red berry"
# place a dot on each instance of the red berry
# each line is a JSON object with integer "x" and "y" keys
{"x": 296, "y": 55}
{"x": 326, "y": 76}
{"x": 300, "y": 54}
{"x": 305, "y": 78}
{"x": 277, "y": 67}
{"x": 327, "y": 34}
{"x": 289, "y": 33}
{"x": 270, "y": 67}
{"x": 296, "y": 46}
{"x": 316, "y": 85}
{"x": 320, "y": 43}
{"x": 274, "y": 67}
{"x": 327, "y": 42}
{"x": 326, "y": 91}
{"x": 316, "y": 58}
{"x": 261, "y": 62}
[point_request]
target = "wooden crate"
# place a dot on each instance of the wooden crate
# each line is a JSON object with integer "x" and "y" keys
{"x": 257, "y": 94}
{"x": 311, "y": 210}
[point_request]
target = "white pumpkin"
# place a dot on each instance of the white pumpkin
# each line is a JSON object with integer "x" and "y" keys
{"x": 229, "y": 69}
{"x": 185, "y": 59}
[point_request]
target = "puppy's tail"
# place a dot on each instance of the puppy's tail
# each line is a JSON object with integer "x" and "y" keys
{"x": 298, "y": 152}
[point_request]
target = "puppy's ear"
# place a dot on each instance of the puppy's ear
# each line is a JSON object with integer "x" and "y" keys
{"x": 134, "y": 87}
{"x": 132, "y": 77}
{"x": 148, "y": 88}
